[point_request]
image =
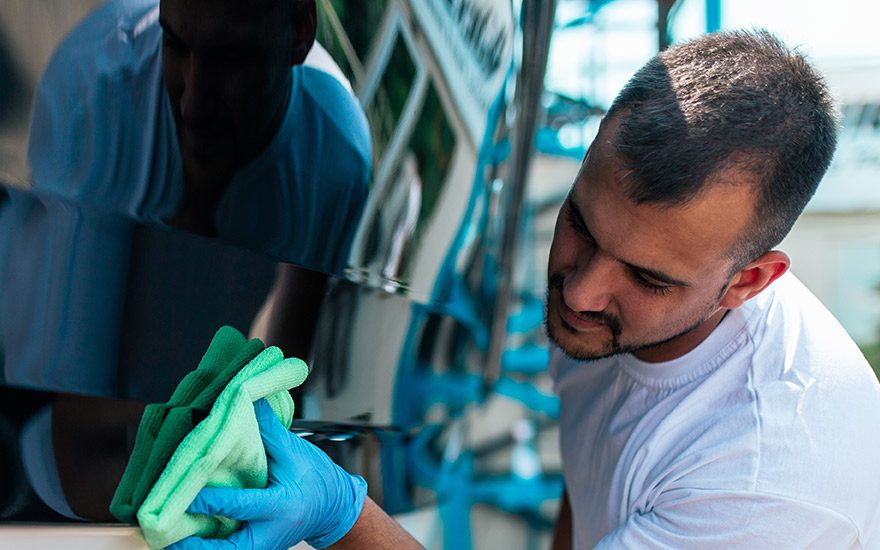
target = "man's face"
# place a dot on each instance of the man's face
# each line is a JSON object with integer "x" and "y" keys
{"x": 226, "y": 67}
{"x": 646, "y": 279}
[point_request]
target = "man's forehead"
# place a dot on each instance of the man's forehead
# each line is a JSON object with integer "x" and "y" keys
{"x": 602, "y": 164}
{"x": 206, "y": 23}
{"x": 680, "y": 240}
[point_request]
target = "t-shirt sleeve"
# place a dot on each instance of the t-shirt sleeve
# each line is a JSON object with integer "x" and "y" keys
{"x": 700, "y": 518}
{"x": 100, "y": 118}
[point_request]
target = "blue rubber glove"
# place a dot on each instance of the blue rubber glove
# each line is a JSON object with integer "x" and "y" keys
{"x": 308, "y": 497}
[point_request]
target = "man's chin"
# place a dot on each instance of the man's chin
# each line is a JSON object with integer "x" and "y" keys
{"x": 578, "y": 351}
{"x": 585, "y": 356}
{"x": 208, "y": 174}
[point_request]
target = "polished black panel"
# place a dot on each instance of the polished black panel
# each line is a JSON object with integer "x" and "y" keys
{"x": 117, "y": 265}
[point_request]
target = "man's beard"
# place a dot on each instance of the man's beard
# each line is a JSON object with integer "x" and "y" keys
{"x": 614, "y": 345}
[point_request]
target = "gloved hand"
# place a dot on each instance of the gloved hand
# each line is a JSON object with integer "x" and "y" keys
{"x": 308, "y": 497}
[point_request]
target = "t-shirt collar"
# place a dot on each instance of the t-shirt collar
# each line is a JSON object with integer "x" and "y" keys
{"x": 706, "y": 356}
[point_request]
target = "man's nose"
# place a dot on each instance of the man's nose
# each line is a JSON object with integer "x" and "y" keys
{"x": 196, "y": 101}
{"x": 590, "y": 287}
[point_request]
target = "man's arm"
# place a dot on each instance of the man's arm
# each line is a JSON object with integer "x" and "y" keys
{"x": 562, "y": 533}
{"x": 697, "y": 518}
{"x": 375, "y": 529}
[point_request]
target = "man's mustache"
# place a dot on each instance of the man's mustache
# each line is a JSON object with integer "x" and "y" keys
{"x": 556, "y": 282}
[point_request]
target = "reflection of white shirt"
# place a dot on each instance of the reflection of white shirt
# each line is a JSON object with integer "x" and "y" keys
{"x": 764, "y": 436}
{"x": 103, "y": 134}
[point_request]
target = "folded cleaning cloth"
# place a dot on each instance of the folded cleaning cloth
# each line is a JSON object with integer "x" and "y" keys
{"x": 163, "y": 426}
{"x": 224, "y": 450}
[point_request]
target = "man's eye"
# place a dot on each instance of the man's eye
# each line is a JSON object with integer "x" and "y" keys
{"x": 574, "y": 220}
{"x": 236, "y": 55}
{"x": 642, "y": 281}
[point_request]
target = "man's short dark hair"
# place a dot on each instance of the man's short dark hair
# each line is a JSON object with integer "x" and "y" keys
{"x": 737, "y": 99}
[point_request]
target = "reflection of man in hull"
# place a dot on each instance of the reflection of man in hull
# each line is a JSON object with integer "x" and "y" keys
{"x": 228, "y": 84}
{"x": 216, "y": 116}
{"x": 227, "y": 122}
{"x": 211, "y": 115}
{"x": 707, "y": 398}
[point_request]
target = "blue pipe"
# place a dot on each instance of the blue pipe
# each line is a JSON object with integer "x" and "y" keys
{"x": 713, "y": 15}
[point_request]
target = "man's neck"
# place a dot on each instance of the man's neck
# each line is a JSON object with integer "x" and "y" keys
{"x": 682, "y": 344}
{"x": 200, "y": 200}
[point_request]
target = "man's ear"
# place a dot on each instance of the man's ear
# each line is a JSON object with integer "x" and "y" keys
{"x": 305, "y": 26}
{"x": 754, "y": 278}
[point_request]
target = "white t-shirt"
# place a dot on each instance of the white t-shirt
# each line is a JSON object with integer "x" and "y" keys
{"x": 766, "y": 435}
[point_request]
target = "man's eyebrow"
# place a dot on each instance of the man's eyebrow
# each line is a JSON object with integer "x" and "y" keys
{"x": 226, "y": 41}
{"x": 652, "y": 273}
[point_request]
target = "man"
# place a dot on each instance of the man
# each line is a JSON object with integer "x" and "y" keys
{"x": 708, "y": 399}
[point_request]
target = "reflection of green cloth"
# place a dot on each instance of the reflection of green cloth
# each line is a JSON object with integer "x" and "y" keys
{"x": 224, "y": 450}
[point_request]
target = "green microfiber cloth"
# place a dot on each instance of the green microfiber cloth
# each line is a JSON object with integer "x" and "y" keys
{"x": 224, "y": 450}
{"x": 163, "y": 426}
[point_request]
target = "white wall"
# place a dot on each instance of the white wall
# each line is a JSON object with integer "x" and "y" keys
{"x": 838, "y": 258}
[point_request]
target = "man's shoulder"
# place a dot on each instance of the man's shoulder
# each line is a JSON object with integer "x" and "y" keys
{"x": 324, "y": 96}
{"x": 112, "y": 35}
{"x": 101, "y": 95}
{"x": 112, "y": 54}
{"x": 802, "y": 360}
{"x": 789, "y": 320}
{"x": 327, "y": 127}
{"x": 813, "y": 399}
